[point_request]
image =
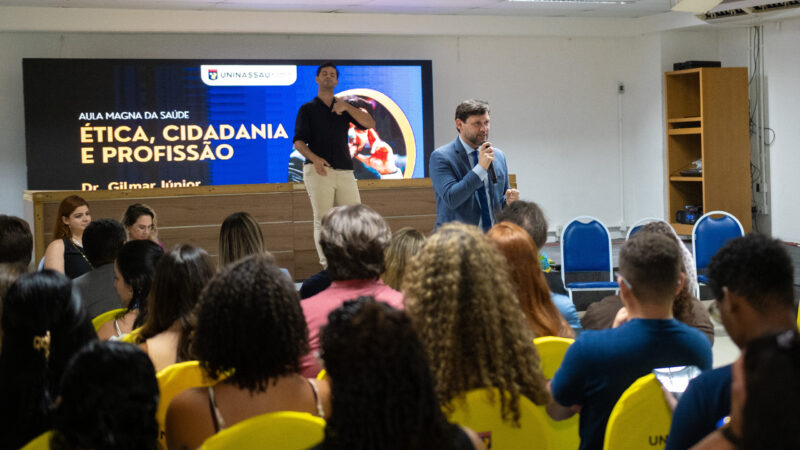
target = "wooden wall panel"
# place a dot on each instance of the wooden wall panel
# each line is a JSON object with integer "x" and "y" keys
{"x": 194, "y": 215}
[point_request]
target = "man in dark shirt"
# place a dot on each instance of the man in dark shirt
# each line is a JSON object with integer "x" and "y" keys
{"x": 600, "y": 365}
{"x": 320, "y": 135}
{"x": 753, "y": 281}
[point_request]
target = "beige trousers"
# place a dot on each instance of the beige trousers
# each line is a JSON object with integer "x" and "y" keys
{"x": 335, "y": 188}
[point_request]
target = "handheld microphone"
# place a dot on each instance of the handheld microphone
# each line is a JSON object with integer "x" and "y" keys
{"x": 492, "y": 174}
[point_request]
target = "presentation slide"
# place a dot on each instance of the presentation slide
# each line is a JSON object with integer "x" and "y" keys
{"x": 94, "y": 124}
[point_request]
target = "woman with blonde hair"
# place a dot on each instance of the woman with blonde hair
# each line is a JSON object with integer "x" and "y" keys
{"x": 460, "y": 296}
{"x": 239, "y": 236}
{"x": 405, "y": 245}
{"x": 526, "y": 273}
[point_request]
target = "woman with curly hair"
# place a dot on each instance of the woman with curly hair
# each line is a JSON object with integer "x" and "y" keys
{"x": 250, "y": 327}
{"x": 180, "y": 276}
{"x": 108, "y": 400}
{"x": 526, "y": 272}
{"x": 381, "y": 385}
{"x": 43, "y": 326}
{"x": 460, "y": 296}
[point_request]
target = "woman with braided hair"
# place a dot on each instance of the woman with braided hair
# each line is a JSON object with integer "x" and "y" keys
{"x": 43, "y": 326}
{"x": 459, "y": 293}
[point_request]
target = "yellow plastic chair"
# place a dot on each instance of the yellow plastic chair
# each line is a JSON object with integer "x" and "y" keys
{"x": 640, "y": 419}
{"x": 41, "y": 442}
{"x": 172, "y": 380}
{"x": 130, "y": 338}
{"x": 107, "y": 316}
{"x": 551, "y": 352}
{"x": 480, "y": 410}
{"x": 284, "y": 430}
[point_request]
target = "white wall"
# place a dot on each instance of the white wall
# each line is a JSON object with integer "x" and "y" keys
{"x": 554, "y": 102}
{"x": 554, "y": 99}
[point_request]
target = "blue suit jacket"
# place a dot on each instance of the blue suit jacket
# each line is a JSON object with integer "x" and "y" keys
{"x": 456, "y": 185}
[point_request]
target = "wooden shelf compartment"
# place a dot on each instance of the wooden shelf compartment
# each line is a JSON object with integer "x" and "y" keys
{"x": 689, "y": 179}
{"x": 692, "y": 130}
{"x": 682, "y": 228}
{"x": 685, "y": 119}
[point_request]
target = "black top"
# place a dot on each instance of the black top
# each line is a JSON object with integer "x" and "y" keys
{"x": 315, "y": 284}
{"x": 75, "y": 261}
{"x": 325, "y": 132}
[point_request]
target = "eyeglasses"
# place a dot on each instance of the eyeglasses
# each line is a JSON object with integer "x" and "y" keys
{"x": 627, "y": 283}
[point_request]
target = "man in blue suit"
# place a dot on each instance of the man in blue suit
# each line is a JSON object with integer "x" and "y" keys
{"x": 470, "y": 177}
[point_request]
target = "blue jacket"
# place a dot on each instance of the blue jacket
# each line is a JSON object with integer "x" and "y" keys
{"x": 456, "y": 185}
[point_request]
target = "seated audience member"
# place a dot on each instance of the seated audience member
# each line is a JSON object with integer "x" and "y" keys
{"x": 140, "y": 223}
{"x": 765, "y": 391}
{"x": 382, "y": 390}
{"x": 43, "y": 326}
{"x": 530, "y": 217}
{"x": 65, "y": 253}
{"x": 133, "y": 276}
{"x": 240, "y": 236}
{"x": 404, "y": 246}
{"x": 108, "y": 400}
{"x": 250, "y": 328}
{"x": 601, "y": 364}
{"x": 517, "y": 246}
{"x": 16, "y": 245}
{"x": 686, "y": 308}
{"x": 180, "y": 276}
{"x": 102, "y": 240}
{"x": 752, "y": 279}
{"x": 353, "y": 239}
{"x": 460, "y": 295}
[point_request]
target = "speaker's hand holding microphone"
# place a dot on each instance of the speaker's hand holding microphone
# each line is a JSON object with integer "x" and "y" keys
{"x": 485, "y": 159}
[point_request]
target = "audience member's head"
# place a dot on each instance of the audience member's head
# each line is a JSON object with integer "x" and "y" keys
{"x": 459, "y": 286}
{"x": 381, "y": 386}
{"x": 529, "y": 216}
{"x": 249, "y": 324}
{"x": 133, "y": 274}
{"x": 752, "y": 279}
{"x": 16, "y": 241}
{"x": 140, "y": 222}
{"x": 771, "y": 372}
{"x": 403, "y": 247}
{"x": 650, "y": 269}
{"x": 354, "y": 239}
{"x": 102, "y": 240}
{"x": 72, "y": 218}
{"x": 43, "y": 325}
{"x": 682, "y": 307}
{"x": 239, "y": 236}
{"x": 180, "y": 276}
{"x": 108, "y": 400}
{"x": 526, "y": 273}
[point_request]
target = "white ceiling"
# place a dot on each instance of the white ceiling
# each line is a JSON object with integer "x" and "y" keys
{"x": 574, "y": 8}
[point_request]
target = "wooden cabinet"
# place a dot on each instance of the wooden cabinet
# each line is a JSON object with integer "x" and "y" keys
{"x": 707, "y": 118}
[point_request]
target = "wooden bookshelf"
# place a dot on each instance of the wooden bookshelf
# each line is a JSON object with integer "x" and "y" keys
{"x": 707, "y": 119}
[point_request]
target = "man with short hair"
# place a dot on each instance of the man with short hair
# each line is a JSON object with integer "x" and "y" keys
{"x": 752, "y": 279}
{"x": 320, "y": 135}
{"x": 354, "y": 239}
{"x": 469, "y": 176}
{"x": 102, "y": 240}
{"x": 530, "y": 217}
{"x": 600, "y": 365}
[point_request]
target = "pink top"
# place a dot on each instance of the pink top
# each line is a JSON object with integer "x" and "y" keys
{"x": 317, "y": 308}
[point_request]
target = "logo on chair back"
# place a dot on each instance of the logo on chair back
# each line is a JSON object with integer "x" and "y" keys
{"x": 486, "y": 438}
{"x": 658, "y": 440}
